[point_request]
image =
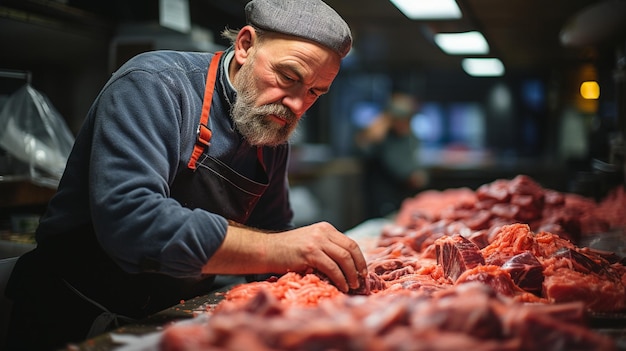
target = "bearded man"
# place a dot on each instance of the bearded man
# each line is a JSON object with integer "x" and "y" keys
{"x": 179, "y": 174}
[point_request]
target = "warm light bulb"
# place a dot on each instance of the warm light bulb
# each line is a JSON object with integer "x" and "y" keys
{"x": 590, "y": 90}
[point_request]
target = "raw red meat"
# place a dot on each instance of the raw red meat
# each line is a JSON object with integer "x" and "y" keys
{"x": 544, "y": 325}
{"x": 456, "y": 255}
{"x": 494, "y": 269}
{"x": 508, "y": 241}
{"x": 429, "y": 205}
{"x": 467, "y": 316}
{"x": 573, "y": 276}
{"x": 292, "y": 289}
{"x": 493, "y": 276}
{"x": 519, "y": 200}
{"x": 582, "y": 263}
{"x": 186, "y": 337}
{"x": 526, "y": 272}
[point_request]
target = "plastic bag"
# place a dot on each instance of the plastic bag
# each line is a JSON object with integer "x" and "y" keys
{"x": 34, "y": 132}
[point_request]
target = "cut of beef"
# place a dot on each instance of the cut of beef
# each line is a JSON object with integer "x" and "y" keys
{"x": 493, "y": 276}
{"x": 599, "y": 292}
{"x": 393, "y": 275}
{"x": 580, "y": 262}
{"x": 376, "y": 283}
{"x": 479, "y": 219}
{"x": 469, "y": 311}
{"x": 526, "y": 271}
{"x": 498, "y": 191}
{"x": 480, "y": 238}
{"x": 381, "y": 267}
{"x": 457, "y": 254}
{"x": 506, "y": 210}
{"x": 423, "y": 282}
{"x": 525, "y": 185}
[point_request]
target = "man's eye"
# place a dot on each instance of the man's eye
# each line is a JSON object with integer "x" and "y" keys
{"x": 288, "y": 78}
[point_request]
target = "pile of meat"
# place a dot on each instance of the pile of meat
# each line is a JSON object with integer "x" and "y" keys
{"x": 520, "y": 200}
{"x": 494, "y": 269}
{"x": 468, "y": 317}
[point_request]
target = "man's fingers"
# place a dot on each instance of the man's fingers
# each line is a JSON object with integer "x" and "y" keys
{"x": 350, "y": 264}
{"x": 337, "y": 256}
{"x": 329, "y": 267}
{"x": 353, "y": 264}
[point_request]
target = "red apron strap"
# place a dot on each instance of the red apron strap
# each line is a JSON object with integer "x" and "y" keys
{"x": 204, "y": 133}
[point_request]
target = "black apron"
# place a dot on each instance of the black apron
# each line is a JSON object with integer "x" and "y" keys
{"x": 72, "y": 273}
{"x": 206, "y": 178}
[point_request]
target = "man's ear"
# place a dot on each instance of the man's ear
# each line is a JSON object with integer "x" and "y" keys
{"x": 244, "y": 43}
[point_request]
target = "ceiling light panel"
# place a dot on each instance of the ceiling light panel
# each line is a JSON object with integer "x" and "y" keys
{"x": 468, "y": 43}
{"x": 428, "y": 9}
{"x": 483, "y": 67}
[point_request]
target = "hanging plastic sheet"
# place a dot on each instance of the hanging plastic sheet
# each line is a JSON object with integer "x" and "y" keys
{"x": 33, "y": 132}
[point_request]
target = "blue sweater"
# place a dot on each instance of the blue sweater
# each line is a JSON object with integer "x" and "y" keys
{"x": 137, "y": 136}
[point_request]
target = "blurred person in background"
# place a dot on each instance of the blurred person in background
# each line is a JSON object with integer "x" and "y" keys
{"x": 392, "y": 171}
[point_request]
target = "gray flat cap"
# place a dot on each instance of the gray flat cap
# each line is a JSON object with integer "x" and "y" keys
{"x": 308, "y": 19}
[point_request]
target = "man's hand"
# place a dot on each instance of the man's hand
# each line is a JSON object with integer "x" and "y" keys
{"x": 318, "y": 246}
{"x": 321, "y": 247}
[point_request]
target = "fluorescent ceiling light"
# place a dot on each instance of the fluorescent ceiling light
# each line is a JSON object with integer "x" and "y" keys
{"x": 428, "y": 9}
{"x": 473, "y": 43}
{"x": 483, "y": 67}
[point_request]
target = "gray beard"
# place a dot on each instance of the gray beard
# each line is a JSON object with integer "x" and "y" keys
{"x": 252, "y": 121}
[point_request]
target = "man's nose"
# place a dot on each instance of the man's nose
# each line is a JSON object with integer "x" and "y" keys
{"x": 296, "y": 103}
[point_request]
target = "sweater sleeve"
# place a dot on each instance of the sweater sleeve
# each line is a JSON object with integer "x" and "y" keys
{"x": 138, "y": 125}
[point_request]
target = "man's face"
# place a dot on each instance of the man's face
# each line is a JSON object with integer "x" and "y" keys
{"x": 277, "y": 84}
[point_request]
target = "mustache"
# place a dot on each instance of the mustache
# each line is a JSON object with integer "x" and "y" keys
{"x": 278, "y": 110}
